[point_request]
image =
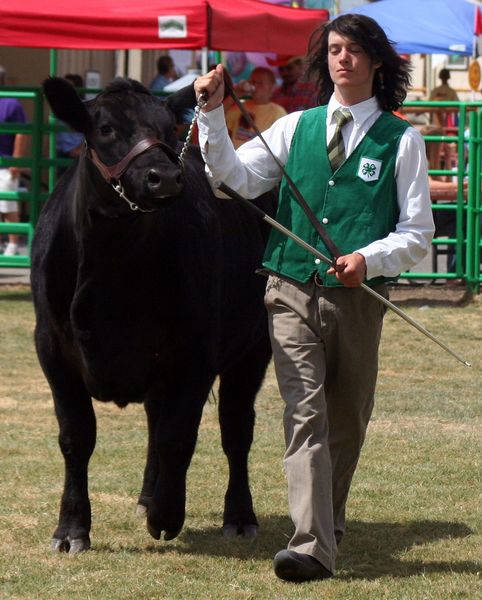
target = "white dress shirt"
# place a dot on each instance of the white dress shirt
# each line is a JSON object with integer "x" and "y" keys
{"x": 251, "y": 171}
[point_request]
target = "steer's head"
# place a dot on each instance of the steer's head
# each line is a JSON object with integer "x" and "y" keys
{"x": 114, "y": 123}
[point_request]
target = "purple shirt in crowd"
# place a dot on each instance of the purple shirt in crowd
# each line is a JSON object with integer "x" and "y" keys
{"x": 11, "y": 111}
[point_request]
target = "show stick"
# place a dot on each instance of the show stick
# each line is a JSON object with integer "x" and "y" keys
{"x": 221, "y": 186}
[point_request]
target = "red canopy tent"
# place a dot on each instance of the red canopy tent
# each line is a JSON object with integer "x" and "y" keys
{"x": 253, "y": 26}
{"x": 244, "y": 25}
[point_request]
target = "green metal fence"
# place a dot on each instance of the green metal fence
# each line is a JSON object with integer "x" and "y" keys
{"x": 465, "y": 238}
{"x": 465, "y": 208}
{"x": 34, "y": 197}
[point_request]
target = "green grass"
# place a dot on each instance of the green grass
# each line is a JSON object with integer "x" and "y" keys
{"x": 413, "y": 514}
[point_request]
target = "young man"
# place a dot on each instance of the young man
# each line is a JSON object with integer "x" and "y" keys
{"x": 363, "y": 172}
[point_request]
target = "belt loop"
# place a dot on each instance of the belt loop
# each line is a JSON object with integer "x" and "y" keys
{"x": 318, "y": 280}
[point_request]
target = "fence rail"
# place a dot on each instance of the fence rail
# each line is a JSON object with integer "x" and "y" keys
{"x": 460, "y": 243}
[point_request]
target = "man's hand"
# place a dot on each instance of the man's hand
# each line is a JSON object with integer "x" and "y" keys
{"x": 213, "y": 84}
{"x": 350, "y": 269}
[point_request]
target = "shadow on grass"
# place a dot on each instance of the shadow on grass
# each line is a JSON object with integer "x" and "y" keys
{"x": 373, "y": 550}
{"x": 16, "y": 295}
{"x": 369, "y": 550}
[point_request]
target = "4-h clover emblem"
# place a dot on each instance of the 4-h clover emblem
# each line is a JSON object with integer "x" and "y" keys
{"x": 369, "y": 169}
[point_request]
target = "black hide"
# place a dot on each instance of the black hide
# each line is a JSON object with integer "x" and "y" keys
{"x": 147, "y": 306}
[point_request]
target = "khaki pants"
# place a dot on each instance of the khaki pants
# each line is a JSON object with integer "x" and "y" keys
{"x": 325, "y": 348}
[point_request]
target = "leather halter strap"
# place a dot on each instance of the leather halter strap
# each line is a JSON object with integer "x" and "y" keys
{"x": 114, "y": 172}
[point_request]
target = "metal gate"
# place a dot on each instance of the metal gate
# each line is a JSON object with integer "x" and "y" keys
{"x": 462, "y": 242}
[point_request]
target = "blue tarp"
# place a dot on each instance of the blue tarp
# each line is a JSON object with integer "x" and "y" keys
{"x": 425, "y": 26}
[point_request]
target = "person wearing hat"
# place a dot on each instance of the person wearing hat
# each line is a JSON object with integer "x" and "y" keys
{"x": 363, "y": 172}
{"x": 295, "y": 93}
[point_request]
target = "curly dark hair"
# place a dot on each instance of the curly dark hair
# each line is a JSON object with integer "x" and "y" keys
{"x": 392, "y": 78}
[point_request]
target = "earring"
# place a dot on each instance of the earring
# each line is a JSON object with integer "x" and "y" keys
{"x": 380, "y": 80}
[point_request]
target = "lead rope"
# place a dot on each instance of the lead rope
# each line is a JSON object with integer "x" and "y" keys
{"x": 203, "y": 98}
{"x": 132, "y": 205}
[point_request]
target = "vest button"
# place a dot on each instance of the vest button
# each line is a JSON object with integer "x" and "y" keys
{"x": 324, "y": 221}
{"x": 331, "y": 183}
{"x": 317, "y": 261}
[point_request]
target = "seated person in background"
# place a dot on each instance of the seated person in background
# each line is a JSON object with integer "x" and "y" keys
{"x": 263, "y": 112}
{"x": 166, "y": 72}
{"x": 295, "y": 93}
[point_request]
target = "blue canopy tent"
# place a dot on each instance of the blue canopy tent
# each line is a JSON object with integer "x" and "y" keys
{"x": 425, "y": 26}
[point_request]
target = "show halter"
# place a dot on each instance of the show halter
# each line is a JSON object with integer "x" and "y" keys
{"x": 112, "y": 174}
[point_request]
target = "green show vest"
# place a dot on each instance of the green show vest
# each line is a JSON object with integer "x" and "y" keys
{"x": 356, "y": 205}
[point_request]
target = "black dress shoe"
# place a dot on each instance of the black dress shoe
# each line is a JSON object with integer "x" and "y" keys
{"x": 294, "y": 566}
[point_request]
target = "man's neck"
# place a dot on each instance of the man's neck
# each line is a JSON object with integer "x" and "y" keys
{"x": 349, "y": 97}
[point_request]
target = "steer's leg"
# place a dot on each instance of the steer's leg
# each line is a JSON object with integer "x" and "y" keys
{"x": 77, "y": 432}
{"x": 237, "y": 392}
{"x": 151, "y": 470}
{"x": 175, "y": 438}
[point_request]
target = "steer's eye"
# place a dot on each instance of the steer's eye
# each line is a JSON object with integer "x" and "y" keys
{"x": 106, "y": 130}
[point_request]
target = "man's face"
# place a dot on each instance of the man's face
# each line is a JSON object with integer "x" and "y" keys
{"x": 290, "y": 73}
{"x": 263, "y": 87}
{"x": 350, "y": 67}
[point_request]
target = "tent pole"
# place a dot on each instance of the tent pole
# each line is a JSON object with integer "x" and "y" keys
{"x": 53, "y": 61}
{"x": 428, "y": 75}
{"x": 204, "y": 59}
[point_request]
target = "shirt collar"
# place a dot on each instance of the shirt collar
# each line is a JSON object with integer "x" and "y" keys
{"x": 360, "y": 111}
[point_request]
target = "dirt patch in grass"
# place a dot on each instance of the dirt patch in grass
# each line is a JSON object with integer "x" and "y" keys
{"x": 432, "y": 295}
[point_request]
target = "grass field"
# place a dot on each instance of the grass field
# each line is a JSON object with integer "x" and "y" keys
{"x": 413, "y": 515}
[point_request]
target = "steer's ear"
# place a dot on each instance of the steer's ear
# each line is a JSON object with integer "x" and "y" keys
{"x": 66, "y": 104}
{"x": 180, "y": 100}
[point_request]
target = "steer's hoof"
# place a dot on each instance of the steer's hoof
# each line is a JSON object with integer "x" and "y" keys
{"x": 230, "y": 531}
{"x": 155, "y": 533}
{"x": 59, "y": 545}
{"x": 79, "y": 545}
{"x": 141, "y": 510}
{"x": 250, "y": 531}
{"x": 74, "y": 546}
{"x": 168, "y": 535}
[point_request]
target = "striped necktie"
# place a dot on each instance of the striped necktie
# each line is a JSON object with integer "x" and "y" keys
{"x": 336, "y": 147}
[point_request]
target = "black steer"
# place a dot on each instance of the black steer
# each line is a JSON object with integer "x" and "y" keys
{"x": 145, "y": 290}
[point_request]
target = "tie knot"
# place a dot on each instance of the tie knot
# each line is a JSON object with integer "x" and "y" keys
{"x": 342, "y": 116}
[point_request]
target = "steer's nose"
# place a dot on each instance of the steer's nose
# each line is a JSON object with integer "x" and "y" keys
{"x": 164, "y": 183}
